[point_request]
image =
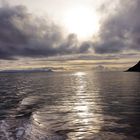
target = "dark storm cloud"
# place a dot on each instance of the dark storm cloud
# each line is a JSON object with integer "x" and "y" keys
{"x": 22, "y": 34}
{"x": 120, "y": 31}
{"x": 85, "y": 47}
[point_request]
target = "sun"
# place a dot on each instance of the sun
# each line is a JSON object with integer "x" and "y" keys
{"x": 82, "y": 21}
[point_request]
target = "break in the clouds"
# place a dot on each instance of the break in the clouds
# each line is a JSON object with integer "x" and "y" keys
{"x": 24, "y": 34}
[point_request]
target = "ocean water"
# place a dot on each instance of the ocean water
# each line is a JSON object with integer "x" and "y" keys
{"x": 70, "y": 106}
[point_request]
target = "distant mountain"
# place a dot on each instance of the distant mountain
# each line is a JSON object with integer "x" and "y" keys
{"x": 27, "y": 70}
{"x": 135, "y": 68}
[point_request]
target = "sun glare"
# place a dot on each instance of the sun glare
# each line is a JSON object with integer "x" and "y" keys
{"x": 82, "y": 21}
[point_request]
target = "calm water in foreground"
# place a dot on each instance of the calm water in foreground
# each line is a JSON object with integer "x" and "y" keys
{"x": 70, "y": 106}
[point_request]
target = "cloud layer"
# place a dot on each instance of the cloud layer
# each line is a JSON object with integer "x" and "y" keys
{"x": 23, "y": 34}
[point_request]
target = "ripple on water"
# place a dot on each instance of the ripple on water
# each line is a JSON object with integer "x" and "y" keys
{"x": 70, "y": 106}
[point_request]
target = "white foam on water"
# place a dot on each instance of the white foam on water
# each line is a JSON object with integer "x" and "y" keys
{"x": 24, "y": 131}
{"x": 30, "y": 100}
{"x": 4, "y": 129}
{"x": 20, "y": 132}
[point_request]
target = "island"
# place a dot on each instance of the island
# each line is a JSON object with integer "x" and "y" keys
{"x": 28, "y": 70}
{"x": 135, "y": 68}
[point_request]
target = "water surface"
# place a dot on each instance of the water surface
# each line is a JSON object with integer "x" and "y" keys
{"x": 70, "y": 106}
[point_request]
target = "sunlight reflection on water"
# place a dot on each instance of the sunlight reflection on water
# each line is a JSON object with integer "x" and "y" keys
{"x": 83, "y": 105}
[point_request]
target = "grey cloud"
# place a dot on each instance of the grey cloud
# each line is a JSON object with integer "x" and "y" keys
{"x": 110, "y": 46}
{"x": 85, "y": 46}
{"x": 22, "y": 34}
{"x": 69, "y": 45}
{"x": 120, "y": 31}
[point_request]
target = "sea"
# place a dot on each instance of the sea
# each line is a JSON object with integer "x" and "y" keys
{"x": 76, "y": 105}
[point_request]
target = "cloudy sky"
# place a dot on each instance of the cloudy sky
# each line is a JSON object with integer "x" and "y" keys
{"x": 69, "y": 32}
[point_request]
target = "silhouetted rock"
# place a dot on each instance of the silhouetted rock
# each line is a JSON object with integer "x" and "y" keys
{"x": 135, "y": 68}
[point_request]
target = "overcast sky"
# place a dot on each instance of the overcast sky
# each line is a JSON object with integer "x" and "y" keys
{"x": 35, "y": 29}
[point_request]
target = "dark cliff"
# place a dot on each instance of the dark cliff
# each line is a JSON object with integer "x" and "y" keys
{"x": 135, "y": 68}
